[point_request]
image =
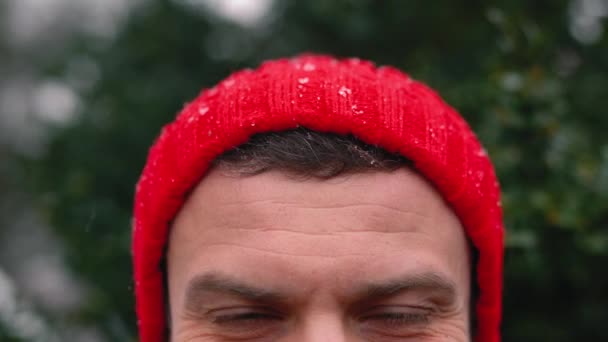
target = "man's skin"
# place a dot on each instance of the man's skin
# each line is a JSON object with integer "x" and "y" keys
{"x": 374, "y": 256}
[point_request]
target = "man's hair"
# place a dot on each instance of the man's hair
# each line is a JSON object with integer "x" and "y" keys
{"x": 305, "y": 153}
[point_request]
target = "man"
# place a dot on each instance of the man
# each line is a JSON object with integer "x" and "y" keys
{"x": 318, "y": 200}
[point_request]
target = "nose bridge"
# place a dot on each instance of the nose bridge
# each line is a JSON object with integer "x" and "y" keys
{"x": 325, "y": 327}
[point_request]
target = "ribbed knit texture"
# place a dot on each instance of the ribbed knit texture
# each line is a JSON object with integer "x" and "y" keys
{"x": 380, "y": 106}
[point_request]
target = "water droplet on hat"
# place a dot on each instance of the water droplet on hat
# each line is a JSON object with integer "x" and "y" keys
{"x": 356, "y": 110}
{"x": 482, "y": 152}
{"x": 344, "y": 91}
{"x": 228, "y": 83}
{"x": 303, "y": 80}
{"x": 309, "y": 67}
{"x": 253, "y": 124}
{"x": 202, "y": 110}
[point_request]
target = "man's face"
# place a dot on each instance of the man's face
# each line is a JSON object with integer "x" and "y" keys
{"x": 365, "y": 257}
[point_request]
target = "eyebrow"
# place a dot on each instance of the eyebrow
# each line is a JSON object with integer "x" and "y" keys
{"x": 428, "y": 281}
{"x": 214, "y": 282}
{"x": 219, "y": 283}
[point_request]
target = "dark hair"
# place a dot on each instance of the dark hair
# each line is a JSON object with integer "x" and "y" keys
{"x": 305, "y": 153}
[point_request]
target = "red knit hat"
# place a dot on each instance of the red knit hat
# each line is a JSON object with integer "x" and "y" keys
{"x": 380, "y": 106}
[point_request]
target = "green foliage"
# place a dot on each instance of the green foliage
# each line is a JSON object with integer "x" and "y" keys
{"x": 532, "y": 93}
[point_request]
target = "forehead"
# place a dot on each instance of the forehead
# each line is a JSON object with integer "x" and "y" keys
{"x": 379, "y": 201}
{"x": 401, "y": 192}
{"x": 350, "y": 225}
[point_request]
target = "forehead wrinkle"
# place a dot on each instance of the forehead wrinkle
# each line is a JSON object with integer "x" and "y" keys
{"x": 304, "y": 218}
{"x": 289, "y": 254}
{"x": 332, "y": 203}
{"x": 298, "y": 204}
{"x": 331, "y": 232}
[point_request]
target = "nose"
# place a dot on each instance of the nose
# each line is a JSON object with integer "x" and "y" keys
{"x": 324, "y": 328}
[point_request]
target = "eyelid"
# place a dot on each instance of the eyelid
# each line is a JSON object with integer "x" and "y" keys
{"x": 243, "y": 314}
{"x": 413, "y": 314}
{"x": 245, "y": 322}
{"x": 389, "y": 307}
{"x": 397, "y": 318}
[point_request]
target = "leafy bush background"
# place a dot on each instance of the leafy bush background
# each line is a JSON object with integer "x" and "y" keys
{"x": 532, "y": 87}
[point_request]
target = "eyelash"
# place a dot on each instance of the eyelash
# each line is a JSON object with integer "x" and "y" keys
{"x": 245, "y": 317}
{"x": 391, "y": 318}
{"x": 399, "y": 318}
{"x": 247, "y": 322}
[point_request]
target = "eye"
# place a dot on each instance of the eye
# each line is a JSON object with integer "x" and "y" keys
{"x": 399, "y": 318}
{"x": 396, "y": 320}
{"x": 244, "y": 315}
{"x": 246, "y": 322}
